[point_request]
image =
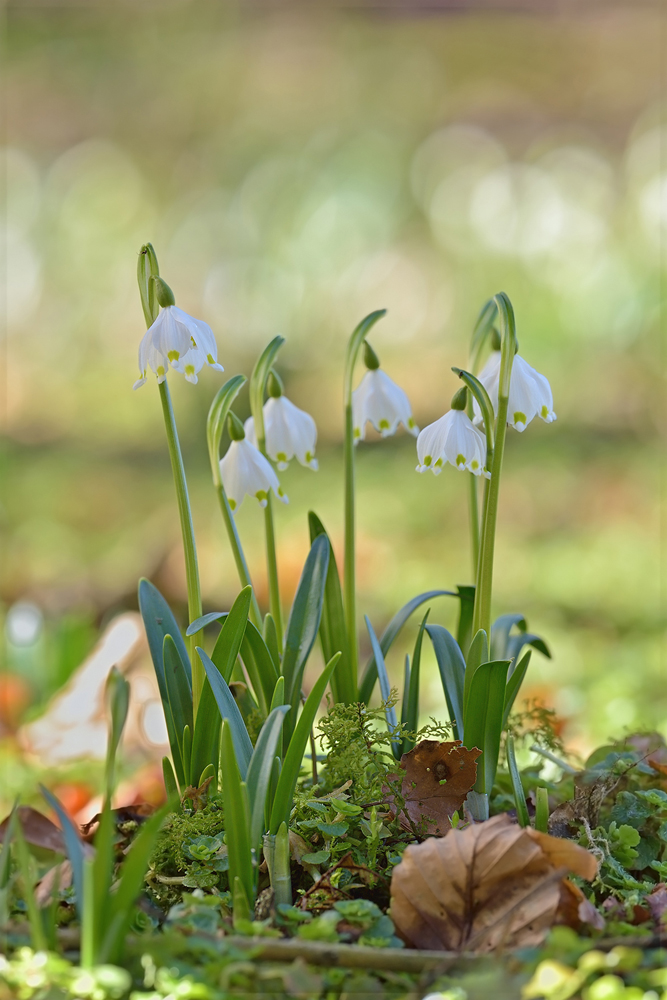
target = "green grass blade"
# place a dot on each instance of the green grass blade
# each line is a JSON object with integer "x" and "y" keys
{"x": 412, "y": 710}
{"x": 515, "y": 680}
{"x": 389, "y": 635}
{"x": 452, "y": 669}
{"x": 304, "y": 623}
{"x": 117, "y": 693}
{"x": 260, "y": 666}
{"x": 271, "y": 640}
{"x": 406, "y": 691}
{"x": 483, "y": 719}
{"x": 206, "y": 735}
{"x": 229, "y": 712}
{"x": 542, "y": 810}
{"x": 517, "y": 787}
{"x": 237, "y": 818}
{"x": 258, "y": 778}
{"x": 199, "y": 623}
{"x": 282, "y": 803}
{"x": 120, "y": 904}
{"x": 170, "y": 783}
{"x": 178, "y": 689}
{"x": 101, "y": 876}
{"x": 229, "y": 641}
{"x": 385, "y": 687}
{"x": 278, "y": 696}
{"x": 333, "y": 632}
{"x": 478, "y": 653}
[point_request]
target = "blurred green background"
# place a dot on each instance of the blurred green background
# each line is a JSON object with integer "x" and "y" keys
{"x": 295, "y": 168}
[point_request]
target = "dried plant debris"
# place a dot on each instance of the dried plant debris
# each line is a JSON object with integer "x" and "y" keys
{"x": 492, "y": 885}
{"x": 438, "y": 776}
{"x": 38, "y": 830}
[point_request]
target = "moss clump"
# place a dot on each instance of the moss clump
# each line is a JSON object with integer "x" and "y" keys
{"x": 170, "y": 859}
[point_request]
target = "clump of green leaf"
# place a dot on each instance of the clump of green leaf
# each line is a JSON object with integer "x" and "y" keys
{"x": 189, "y": 853}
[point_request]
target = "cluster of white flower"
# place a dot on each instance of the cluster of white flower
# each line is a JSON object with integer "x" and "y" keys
{"x": 186, "y": 344}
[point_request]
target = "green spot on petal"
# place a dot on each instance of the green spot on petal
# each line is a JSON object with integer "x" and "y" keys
{"x": 357, "y": 432}
{"x": 309, "y": 456}
{"x": 411, "y": 423}
{"x": 519, "y": 418}
{"x": 474, "y": 464}
{"x": 384, "y": 425}
{"x": 232, "y": 503}
{"x": 438, "y": 464}
{"x": 173, "y": 355}
{"x": 160, "y": 370}
{"x": 544, "y": 412}
{"x": 281, "y": 456}
{"x": 189, "y": 369}
{"x": 281, "y": 492}
{"x": 428, "y": 460}
{"x": 210, "y": 359}
{"x": 460, "y": 459}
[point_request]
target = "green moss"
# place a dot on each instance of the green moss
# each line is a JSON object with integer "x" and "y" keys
{"x": 170, "y": 858}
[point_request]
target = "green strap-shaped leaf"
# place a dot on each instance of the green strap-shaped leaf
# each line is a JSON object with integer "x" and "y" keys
{"x": 385, "y": 687}
{"x": 73, "y": 844}
{"x": 517, "y": 787}
{"x": 406, "y": 691}
{"x": 278, "y": 697}
{"x": 170, "y": 783}
{"x": 270, "y": 636}
{"x": 412, "y": 708}
{"x": 477, "y": 654}
{"x": 500, "y": 634}
{"x": 199, "y": 623}
{"x": 206, "y": 735}
{"x": 229, "y": 711}
{"x": 231, "y": 635}
{"x": 514, "y": 682}
{"x": 117, "y": 694}
{"x": 390, "y": 633}
{"x": 452, "y": 673}
{"x": 237, "y": 815}
{"x": 483, "y": 719}
{"x": 258, "y": 778}
{"x": 304, "y": 622}
{"x": 178, "y": 689}
{"x": 121, "y": 902}
{"x": 517, "y": 642}
{"x": 333, "y": 632}
{"x": 466, "y": 595}
{"x": 260, "y": 666}
{"x": 187, "y": 755}
{"x": 282, "y": 802}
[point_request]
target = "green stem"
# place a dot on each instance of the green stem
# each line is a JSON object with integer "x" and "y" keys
{"x": 473, "y": 507}
{"x": 484, "y": 583}
{"x": 272, "y": 567}
{"x": 237, "y": 550}
{"x": 349, "y": 574}
{"x": 187, "y": 530}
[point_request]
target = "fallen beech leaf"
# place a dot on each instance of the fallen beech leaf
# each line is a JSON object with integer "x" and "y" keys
{"x": 657, "y": 902}
{"x": 58, "y": 877}
{"x": 298, "y": 847}
{"x": 438, "y": 776}
{"x": 38, "y": 830}
{"x": 488, "y": 886}
{"x": 574, "y": 909}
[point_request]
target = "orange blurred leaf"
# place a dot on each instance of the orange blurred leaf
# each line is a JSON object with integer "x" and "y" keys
{"x": 438, "y": 776}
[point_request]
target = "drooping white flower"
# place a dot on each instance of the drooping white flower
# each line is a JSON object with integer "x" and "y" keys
{"x": 178, "y": 340}
{"x": 378, "y": 400}
{"x": 530, "y": 393}
{"x": 289, "y": 432}
{"x": 243, "y": 470}
{"x": 454, "y": 439}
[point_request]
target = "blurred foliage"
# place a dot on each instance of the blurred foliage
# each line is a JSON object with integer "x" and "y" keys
{"x": 296, "y": 170}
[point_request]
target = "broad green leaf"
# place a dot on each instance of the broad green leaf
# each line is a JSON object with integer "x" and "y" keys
{"x": 117, "y": 692}
{"x": 452, "y": 673}
{"x": 304, "y": 622}
{"x": 170, "y": 783}
{"x": 187, "y": 755}
{"x": 229, "y": 641}
{"x": 278, "y": 696}
{"x": 390, "y": 633}
{"x": 229, "y": 711}
{"x": 178, "y": 689}
{"x": 412, "y": 710}
{"x": 477, "y": 654}
{"x": 73, "y": 843}
{"x": 406, "y": 691}
{"x": 102, "y": 876}
{"x": 517, "y": 787}
{"x": 206, "y": 734}
{"x": 500, "y": 633}
{"x": 282, "y": 803}
{"x": 483, "y": 719}
{"x": 517, "y": 642}
{"x": 237, "y": 815}
{"x": 514, "y": 682}
{"x": 260, "y": 666}
{"x": 385, "y": 687}
{"x": 258, "y": 777}
{"x": 121, "y": 903}
{"x": 333, "y": 632}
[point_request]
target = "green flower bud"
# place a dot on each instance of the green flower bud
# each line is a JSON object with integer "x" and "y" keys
{"x": 371, "y": 359}
{"x": 495, "y": 339}
{"x": 164, "y": 294}
{"x": 460, "y": 399}
{"x": 235, "y": 427}
{"x": 274, "y": 385}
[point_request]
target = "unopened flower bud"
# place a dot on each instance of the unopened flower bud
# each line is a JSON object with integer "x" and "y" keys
{"x": 460, "y": 399}
{"x": 163, "y": 292}
{"x": 235, "y": 427}
{"x": 274, "y": 385}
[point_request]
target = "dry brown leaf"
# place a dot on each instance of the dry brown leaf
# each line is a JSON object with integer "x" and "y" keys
{"x": 657, "y": 902}
{"x": 438, "y": 776}
{"x": 491, "y": 885}
{"x": 38, "y": 830}
{"x": 58, "y": 877}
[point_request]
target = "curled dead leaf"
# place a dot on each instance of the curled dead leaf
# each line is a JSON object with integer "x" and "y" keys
{"x": 489, "y": 886}
{"x": 38, "y": 830}
{"x": 438, "y": 776}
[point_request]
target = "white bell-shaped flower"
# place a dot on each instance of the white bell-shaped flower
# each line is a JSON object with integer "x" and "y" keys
{"x": 243, "y": 470}
{"x": 289, "y": 432}
{"x": 379, "y": 401}
{"x": 530, "y": 393}
{"x": 453, "y": 439}
{"x": 178, "y": 340}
